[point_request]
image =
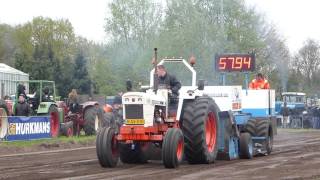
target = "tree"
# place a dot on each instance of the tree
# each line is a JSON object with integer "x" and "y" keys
{"x": 81, "y": 80}
{"x": 45, "y": 47}
{"x": 133, "y": 20}
{"x": 7, "y": 44}
{"x": 307, "y": 62}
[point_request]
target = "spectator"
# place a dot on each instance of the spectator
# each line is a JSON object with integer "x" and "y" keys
{"x": 285, "y": 114}
{"x": 73, "y": 101}
{"x": 22, "y": 108}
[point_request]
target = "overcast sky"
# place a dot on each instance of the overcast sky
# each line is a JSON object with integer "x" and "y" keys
{"x": 296, "y": 20}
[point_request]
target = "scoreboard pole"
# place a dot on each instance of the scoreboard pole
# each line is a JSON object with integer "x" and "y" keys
{"x": 222, "y": 79}
{"x": 246, "y": 79}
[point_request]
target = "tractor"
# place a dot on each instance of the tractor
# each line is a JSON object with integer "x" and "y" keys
{"x": 64, "y": 122}
{"x": 86, "y": 116}
{"x": 41, "y": 104}
{"x": 207, "y": 124}
{"x": 296, "y": 103}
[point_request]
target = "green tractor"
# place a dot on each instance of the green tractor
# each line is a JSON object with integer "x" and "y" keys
{"x": 42, "y": 100}
{"x": 43, "y": 97}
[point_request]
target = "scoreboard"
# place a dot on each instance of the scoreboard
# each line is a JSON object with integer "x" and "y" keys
{"x": 235, "y": 62}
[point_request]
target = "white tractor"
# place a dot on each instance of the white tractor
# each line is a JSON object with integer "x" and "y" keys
{"x": 190, "y": 129}
{"x": 206, "y": 123}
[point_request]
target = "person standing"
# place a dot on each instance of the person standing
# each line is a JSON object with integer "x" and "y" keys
{"x": 259, "y": 83}
{"x": 285, "y": 114}
{"x": 73, "y": 101}
{"x": 22, "y": 108}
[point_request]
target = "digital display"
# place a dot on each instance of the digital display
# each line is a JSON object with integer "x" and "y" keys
{"x": 235, "y": 62}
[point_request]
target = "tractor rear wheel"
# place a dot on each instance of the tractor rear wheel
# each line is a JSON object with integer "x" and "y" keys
{"x": 4, "y": 125}
{"x": 200, "y": 129}
{"x": 246, "y": 146}
{"x": 264, "y": 129}
{"x": 4, "y": 106}
{"x": 54, "y": 120}
{"x": 91, "y": 120}
{"x": 250, "y": 127}
{"x": 107, "y": 147}
{"x": 134, "y": 155}
{"x": 173, "y": 148}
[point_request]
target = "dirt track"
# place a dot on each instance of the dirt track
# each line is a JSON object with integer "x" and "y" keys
{"x": 296, "y": 155}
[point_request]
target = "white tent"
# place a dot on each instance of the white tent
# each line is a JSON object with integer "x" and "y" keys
{"x": 9, "y": 77}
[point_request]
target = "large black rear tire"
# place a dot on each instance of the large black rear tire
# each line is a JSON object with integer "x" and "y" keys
{"x": 91, "y": 120}
{"x": 264, "y": 129}
{"x": 133, "y": 156}
{"x": 200, "y": 129}
{"x": 250, "y": 127}
{"x": 107, "y": 147}
{"x": 172, "y": 148}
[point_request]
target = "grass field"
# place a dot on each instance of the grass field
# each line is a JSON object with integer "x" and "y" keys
{"x": 59, "y": 140}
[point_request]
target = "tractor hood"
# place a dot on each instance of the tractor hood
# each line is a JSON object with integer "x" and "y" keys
{"x": 148, "y": 97}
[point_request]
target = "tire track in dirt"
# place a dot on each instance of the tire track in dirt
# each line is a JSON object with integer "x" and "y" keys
{"x": 295, "y": 156}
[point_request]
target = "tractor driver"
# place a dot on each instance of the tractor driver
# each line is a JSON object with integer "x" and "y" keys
{"x": 46, "y": 95}
{"x": 259, "y": 83}
{"x": 169, "y": 80}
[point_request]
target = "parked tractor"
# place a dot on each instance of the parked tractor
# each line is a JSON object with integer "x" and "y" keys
{"x": 296, "y": 103}
{"x": 86, "y": 116}
{"x": 208, "y": 124}
{"x": 43, "y": 102}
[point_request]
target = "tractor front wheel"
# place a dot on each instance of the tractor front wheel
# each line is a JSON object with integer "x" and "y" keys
{"x": 264, "y": 129}
{"x": 107, "y": 147}
{"x": 246, "y": 146}
{"x": 173, "y": 148}
{"x": 67, "y": 129}
{"x": 91, "y": 120}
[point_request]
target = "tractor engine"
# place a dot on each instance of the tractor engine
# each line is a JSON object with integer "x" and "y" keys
{"x": 146, "y": 109}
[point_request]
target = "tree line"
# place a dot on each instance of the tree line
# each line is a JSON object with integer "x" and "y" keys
{"x": 49, "y": 49}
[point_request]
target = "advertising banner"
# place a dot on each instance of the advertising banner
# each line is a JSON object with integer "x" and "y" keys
{"x": 26, "y": 128}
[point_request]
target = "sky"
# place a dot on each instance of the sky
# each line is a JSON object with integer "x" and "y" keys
{"x": 296, "y": 20}
{"x": 86, "y": 16}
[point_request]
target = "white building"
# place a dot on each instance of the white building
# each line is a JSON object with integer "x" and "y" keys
{"x": 9, "y": 79}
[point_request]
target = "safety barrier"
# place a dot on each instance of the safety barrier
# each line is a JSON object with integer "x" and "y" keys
{"x": 308, "y": 121}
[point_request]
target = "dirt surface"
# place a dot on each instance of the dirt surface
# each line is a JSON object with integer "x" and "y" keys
{"x": 296, "y": 155}
{"x": 43, "y": 146}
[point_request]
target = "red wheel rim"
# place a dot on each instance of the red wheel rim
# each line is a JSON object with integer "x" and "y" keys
{"x": 54, "y": 124}
{"x": 69, "y": 132}
{"x": 114, "y": 148}
{"x": 211, "y": 131}
{"x": 180, "y": 149}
